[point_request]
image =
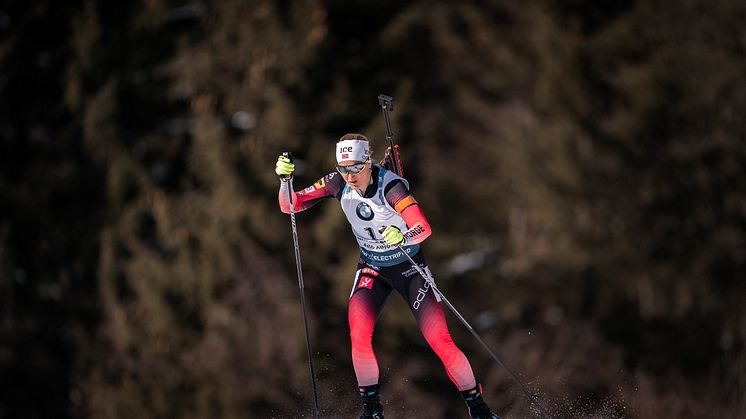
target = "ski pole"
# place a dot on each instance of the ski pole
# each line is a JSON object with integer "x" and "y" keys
{"x": 387, "y": 104}
{"x": 289, "y": 180}
{"x": 515, "y": 378}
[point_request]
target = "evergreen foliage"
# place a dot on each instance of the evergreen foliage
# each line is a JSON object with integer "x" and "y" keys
{"x": 582, "y": 164}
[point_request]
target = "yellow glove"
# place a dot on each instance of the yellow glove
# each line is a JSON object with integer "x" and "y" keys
{"x": 393, "y": 236}
{"x": 284, "y": 167}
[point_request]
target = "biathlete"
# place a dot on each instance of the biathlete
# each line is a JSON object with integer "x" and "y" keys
{"x": 373, "y": 197}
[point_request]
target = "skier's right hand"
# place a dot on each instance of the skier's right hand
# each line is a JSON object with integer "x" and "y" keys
{"x": 393, "y": 236}
{"x": 284, "y": 167}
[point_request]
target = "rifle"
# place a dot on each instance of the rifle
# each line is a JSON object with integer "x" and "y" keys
{"x": 392, "y": 158}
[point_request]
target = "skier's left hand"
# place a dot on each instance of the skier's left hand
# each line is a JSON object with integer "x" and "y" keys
{"x": 393, "y": 236}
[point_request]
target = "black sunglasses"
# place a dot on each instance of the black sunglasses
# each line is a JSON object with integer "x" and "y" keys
{"x": 353, "y": 168}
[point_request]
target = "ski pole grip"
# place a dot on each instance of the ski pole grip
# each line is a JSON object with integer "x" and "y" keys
{"x": 289, "y": 156}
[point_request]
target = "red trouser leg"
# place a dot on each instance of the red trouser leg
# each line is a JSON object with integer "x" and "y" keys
{"x": 430, "y": 316}
{"x": 362, "y": 312}
{"x": 368, "y": 296}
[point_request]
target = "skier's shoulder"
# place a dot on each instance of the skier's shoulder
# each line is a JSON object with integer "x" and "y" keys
{"x": 392, "y": 181}
{"x": 389, "y": 177}
{"x": 328, "y": 185}
{"x": 333, "y": 183}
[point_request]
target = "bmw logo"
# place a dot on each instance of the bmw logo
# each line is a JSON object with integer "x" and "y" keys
{"x": 364, "y": 212}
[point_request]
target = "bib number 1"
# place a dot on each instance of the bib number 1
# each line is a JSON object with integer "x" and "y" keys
{"x": 370, "y": 231}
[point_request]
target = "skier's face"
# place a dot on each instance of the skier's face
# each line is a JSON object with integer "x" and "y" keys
{"x": 359, "y": 180}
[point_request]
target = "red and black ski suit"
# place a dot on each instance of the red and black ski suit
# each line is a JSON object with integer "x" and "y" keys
{"x": 383, "y": 268}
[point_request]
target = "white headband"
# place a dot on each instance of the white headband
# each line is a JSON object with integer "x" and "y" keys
{"x": 357, "y": 150}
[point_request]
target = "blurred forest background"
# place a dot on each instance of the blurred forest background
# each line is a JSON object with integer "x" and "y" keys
{"x": 582, "y": 164}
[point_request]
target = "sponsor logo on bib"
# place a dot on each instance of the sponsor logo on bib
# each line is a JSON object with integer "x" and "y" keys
{"x": 364, "y": 211}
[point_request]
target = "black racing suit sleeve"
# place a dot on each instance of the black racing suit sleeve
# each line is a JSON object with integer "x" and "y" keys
{"x": 331, "y": 185}
{"x": 398, "y": 196}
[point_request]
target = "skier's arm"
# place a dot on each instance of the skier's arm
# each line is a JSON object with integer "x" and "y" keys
{"x": 419, "y": 228}
{"x": 403, "y": 202}
{"x": 326, "y": 187}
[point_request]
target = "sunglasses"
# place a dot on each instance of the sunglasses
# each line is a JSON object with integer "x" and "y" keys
{"x": 354, "y": 168}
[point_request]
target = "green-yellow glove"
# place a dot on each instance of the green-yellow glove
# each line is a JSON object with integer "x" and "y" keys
{"x": 284, "y": 167}
{"x": 393, "y": 236}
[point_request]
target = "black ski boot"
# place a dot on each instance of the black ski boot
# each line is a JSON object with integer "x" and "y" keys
{"x": 371, "y": 397}
{"x": 478, "y": 409}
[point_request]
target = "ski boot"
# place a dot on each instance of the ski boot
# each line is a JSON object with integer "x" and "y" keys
{"x": 478, "y": 409}
{"x": 371, "y": 397}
